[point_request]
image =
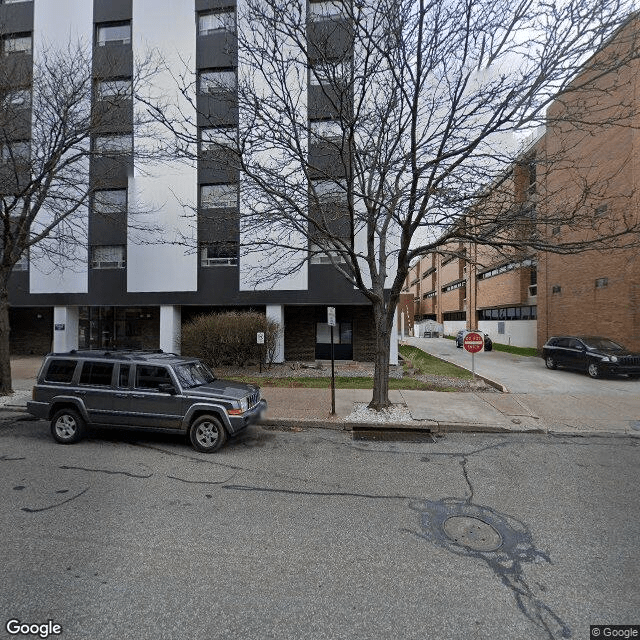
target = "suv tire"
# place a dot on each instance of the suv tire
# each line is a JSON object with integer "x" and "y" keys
{"x": 550, "y": 362}
{"x": 207, "y": 434}
{"x": 593, "y": 370}
{"x": 67, "y": 426}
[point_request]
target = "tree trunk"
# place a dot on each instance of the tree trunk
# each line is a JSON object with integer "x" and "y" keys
{"x": 5, "y": 361}
{"x": 383, "y": 329}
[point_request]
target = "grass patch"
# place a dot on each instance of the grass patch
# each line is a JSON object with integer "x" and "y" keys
{"x": 342, "y": 382}
{"x": 517, "y": 351}
{"x": 423, "y": 363}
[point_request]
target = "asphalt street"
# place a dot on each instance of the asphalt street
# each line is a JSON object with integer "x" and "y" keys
{"x": 310, "y": 534}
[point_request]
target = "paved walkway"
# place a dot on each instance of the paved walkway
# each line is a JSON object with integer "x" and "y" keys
{"x": 562, "y": 412}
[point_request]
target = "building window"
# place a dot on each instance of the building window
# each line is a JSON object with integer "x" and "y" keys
{"x": 110, "y": 203}
{"x": 217, "y": 81}
{"x": 115, "y": 89}
{"x": 330, "y": 191}
{"x": 429, "y": 294}
{"x": 527, "y": 312}
{"x": 23, "y": 262}
{"x": 17, "y": 152}
{"x": 326, "y": 9}
{"x": 602, "y": 282}
{"x": 454, "y": 315}
{"x": 330, "y": 73}
{"x": 216, "y": 21}
{"x": 326, "y": 131}
{"x": 113, "y": 144}
{"x": 218, "y": 254}
{"x": 16, "y": 43}
{"x": 218, "y": 138}
{"x": 454, "y": 285}
{"x": 108, "y": 257}
{"x": 113, "y": 33}
{"x": 18, "y": 98}
{"x": 320, "y": 253}
{"x": 556, "y": 288}
{"x": 219, "y": 196}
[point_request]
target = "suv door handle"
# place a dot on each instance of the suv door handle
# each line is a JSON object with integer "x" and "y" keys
{"x": 121, "y": 395}
{"x": 137, "y": 395}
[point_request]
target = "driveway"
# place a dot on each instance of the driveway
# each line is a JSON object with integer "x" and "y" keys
{"x": 522, "y": 374}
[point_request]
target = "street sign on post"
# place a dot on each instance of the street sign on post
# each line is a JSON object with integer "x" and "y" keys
{"x": 260, "y": 341}
{"x": 473, "y": 342}
{"x": 331, "y": 321}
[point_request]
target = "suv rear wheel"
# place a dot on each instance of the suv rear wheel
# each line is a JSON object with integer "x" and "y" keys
{"x": 207, "y": 434}
{"x": 550, "y": 362}
{"x": 67, "y": 426}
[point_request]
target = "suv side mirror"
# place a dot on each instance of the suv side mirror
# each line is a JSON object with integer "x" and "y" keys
{"x": 166, "y": 387}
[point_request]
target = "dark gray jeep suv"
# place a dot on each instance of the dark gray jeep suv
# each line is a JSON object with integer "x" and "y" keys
{"x": 148, "y": 390}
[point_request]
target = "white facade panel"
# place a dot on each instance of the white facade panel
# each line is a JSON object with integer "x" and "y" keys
{"x": 59, "y": 265}
{"x": 162, "y": 235}
{"x": 271, "y": 268}
{"x": 517, "y": 333}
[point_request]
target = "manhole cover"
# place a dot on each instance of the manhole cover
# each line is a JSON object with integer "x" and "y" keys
{"x": 472, "y": 532}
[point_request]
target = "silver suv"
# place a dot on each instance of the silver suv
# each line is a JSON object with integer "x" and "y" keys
{"x": 148, "y": 390}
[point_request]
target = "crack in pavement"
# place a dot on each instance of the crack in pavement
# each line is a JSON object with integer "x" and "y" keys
{"x": 107, "y": 471}
{"x": 233, "y": 475}
{"x": 54, "y": 506}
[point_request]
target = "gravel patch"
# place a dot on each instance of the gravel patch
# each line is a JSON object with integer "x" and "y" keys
{"x": 393, "y": 414}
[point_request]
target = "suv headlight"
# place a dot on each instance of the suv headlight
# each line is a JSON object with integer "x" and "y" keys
{"x": 243, "y": 405}
{"x": 614, "y": 358}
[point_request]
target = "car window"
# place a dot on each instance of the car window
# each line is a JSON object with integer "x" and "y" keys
{"x": 151, "y": 377}
{"x": 603, "y": 343}
{"x": 60, "y": 371}
{"x": 123, "y": 375}
{"x": 563, "y": 342}
{"x": 575, "y": 344}
{"x": 96, "y": 373}
{"x": 193, "y": 374}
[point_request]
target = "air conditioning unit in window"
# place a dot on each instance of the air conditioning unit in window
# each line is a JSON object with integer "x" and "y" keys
{"x": 533, "y": 290}
{"x": 214, "y": 262}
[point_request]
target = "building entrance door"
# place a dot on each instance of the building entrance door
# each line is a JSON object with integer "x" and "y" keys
{"x": 119, "y": 328}
{"x": 342, "y": 341}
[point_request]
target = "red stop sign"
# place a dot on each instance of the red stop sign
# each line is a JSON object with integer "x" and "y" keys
{"x": 473, "y": 342}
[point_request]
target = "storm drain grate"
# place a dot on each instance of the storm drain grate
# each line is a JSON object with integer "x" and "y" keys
{"x": 390, "y": 435}
{"x": 473, "y": 533}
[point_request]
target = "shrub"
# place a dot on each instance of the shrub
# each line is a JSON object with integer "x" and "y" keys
{"x": 230, "y": 338}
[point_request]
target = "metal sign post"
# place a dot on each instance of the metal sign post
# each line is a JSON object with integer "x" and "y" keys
{"x": 331, "y": 321}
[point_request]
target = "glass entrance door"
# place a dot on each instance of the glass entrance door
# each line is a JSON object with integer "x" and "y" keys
{"x": 342, "y": 341}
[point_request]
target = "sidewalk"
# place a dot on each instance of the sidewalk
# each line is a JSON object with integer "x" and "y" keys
{"x": 437, "y": 412}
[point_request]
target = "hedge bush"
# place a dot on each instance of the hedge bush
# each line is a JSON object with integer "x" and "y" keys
{"x": 230, "y": 338}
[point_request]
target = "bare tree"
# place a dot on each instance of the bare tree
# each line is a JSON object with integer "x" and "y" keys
{"x": 376, "y": 131}
{"x": 48, "y": 129}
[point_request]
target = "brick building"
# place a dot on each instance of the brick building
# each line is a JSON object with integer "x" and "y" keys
{"x": 582, "y": 171}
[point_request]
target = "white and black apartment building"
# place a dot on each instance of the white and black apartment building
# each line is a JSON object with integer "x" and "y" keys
{"x": 128, "y": 294}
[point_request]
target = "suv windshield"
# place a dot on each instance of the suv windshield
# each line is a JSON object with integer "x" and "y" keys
{"x": 193, "y": 374}
{"x": 602, "y": 343}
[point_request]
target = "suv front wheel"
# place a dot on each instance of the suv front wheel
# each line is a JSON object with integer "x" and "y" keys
{"x": 67, "y": 426}
{"x": 207, "y": 434}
